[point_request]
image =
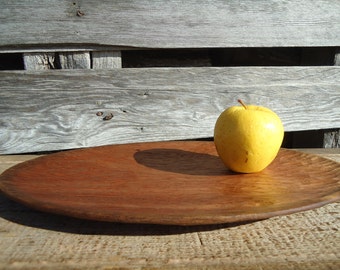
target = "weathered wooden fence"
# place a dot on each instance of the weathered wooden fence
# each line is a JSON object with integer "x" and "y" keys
{"x": 164, "y": 70}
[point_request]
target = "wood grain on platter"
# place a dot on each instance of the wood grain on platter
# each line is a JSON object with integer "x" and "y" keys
{"x": 178, "y": 183}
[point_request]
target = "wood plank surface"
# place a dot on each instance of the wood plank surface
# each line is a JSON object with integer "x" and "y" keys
{"x": 75, "y": 60}
{"x": 169, "y": 24}
{"x": 35, "y": 240}
{"x": 39, "y": 61}
{"x": 53, "y": 110}
{"x": 72, "y": 60}
{"x": 106, "y": 59}
{"x": 332, "y": 138}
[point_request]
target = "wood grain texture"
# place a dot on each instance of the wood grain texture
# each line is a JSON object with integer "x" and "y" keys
{"x": 75, "y": 60}
{"x": 36, "y": 240}
{"x": 72, "y": 60}
{"x": 43, "y": 111}
{"x": 337, "y": 58}
{"x": 39, "y": 61}
{"x": 332, "y": 139}
{"x": 106, "y": 59}
{"x": 170, "y": 24}
{"x": 173, "y": 183}
{"x": 7, "y": 161}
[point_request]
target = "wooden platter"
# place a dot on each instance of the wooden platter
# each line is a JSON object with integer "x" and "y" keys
{"x": 178, "y": 183}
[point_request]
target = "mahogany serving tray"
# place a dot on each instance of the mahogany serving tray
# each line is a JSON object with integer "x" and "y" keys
{"x": 178, "y": 183}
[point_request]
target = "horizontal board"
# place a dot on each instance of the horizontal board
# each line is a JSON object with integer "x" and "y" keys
{"x": 53, "y": 110}
{"x": 168, "y": 24}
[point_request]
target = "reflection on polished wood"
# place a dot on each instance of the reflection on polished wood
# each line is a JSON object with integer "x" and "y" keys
{"x": 173, "y": 183}
{"x": 33, "y": 239}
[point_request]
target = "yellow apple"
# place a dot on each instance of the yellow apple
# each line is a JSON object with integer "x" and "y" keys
{"x": 248, "y": 137}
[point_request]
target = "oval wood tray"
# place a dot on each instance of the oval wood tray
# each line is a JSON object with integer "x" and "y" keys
{"x": 179, "y": 183}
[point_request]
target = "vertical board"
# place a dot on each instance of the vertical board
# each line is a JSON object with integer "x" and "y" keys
{"x": 106, "y": 59}
{"x": 75, "y": 60}
{"x": 39, "y": 61}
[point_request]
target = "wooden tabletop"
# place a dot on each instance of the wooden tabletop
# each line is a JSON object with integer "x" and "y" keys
{"x": 35, "y": 240}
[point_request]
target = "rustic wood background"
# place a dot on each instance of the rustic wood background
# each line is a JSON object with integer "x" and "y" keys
{"x": 58, "y": 109}
{"x": 164, "y": 70}
{"x": 169, "y": 24}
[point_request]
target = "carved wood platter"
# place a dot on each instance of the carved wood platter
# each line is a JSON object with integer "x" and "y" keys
{"x": 174, "y": 183}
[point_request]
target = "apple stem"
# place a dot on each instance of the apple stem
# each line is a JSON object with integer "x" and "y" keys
{"x": 244, "y": 105}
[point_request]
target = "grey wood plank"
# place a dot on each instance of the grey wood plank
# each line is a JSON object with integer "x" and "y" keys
{"x": 169, "y": 24}
{"x": 337, "y": 58}
{"x": 39, "y": 61}
{"x": 75, "y": 60}
{"x": 106, "y": 59}
{"x": 53, "y": 110}
{"x": 332, "y": 137}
